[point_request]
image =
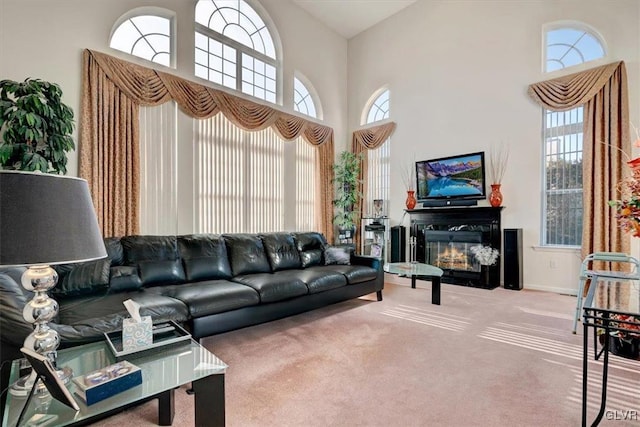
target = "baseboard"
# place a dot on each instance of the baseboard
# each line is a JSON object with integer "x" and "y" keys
{"x": 554, "y": 289}
{"x": 404, "y": 281}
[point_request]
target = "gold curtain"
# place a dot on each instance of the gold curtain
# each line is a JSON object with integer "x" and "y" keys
{"x": 367, "y": 139}
{"x": 603, "y": 92}
{"x": 113, "y": 90}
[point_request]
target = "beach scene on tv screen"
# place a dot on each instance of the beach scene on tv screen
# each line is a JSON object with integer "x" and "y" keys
{"x": 456, "y": 177}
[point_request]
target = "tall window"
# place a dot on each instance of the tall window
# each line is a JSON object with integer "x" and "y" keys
{"x": 563, "y": 178}
{"x": 223, "y": 179}
{"x": 234, "y": 48}
{"x": 158, "y": 169}
{"x": 243, "y": 177}
{"x": 562, "y": 141}
{"x": 378, "y": 173}
{"x": 145, "y": 36}
{"x": 302, "y": 99}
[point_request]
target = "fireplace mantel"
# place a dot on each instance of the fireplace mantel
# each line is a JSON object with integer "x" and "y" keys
{"x": 481, "y": 218}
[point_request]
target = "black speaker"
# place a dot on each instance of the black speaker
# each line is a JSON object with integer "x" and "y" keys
{"x": 512, "y": 260}
{"x": 398, "y": 244}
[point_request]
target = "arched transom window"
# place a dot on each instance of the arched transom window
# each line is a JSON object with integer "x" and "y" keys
{"x": 302, "y": 99}
{"x": 145, "y": 36}
{"x": 234, "y": 48}
{"x": 379, "y": 109}
{"x": 566, "y": 47}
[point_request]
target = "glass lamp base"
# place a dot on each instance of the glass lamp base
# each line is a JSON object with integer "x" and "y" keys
{"x": 23, "y": 386}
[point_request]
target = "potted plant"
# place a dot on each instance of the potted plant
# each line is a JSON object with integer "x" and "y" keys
{"x": 35, "y": 126}
{"x": 345, "y": 179}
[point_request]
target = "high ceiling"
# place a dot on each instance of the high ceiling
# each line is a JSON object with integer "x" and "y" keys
{"x": 350, "y": 17}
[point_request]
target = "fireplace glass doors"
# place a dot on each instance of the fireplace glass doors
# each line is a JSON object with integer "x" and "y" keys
{"x": 450, "y": 250}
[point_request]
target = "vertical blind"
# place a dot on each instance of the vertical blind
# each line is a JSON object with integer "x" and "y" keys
{"x": 241, "y": 181}
{"x": 158, "y": 169}
{"x": 378, "y": 171}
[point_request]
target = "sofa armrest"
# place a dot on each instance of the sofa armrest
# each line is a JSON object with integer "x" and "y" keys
{"x": 367, "y": 261}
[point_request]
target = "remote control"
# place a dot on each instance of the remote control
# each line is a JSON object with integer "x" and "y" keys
{"x": 162, "y": 328}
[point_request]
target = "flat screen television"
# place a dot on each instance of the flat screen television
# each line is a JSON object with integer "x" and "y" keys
{"x": 453, "y": 178}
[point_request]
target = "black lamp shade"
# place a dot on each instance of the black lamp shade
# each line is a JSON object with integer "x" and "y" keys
{"x": 47, "y": 219}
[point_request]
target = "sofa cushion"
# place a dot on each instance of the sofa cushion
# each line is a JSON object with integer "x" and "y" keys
{"x": 105, "y": 312}
{"x": 281, "y": 251}
{"x": 353, "y": 273}
{"x": 337, "y": 255}
{"x": 211, "y": 296}
{"x": 82, "y": 279}
{"x": 156, "y": 258}
{"x": 321, "y": 279}
{"x": 124, "y": 278}
{"x": 275, "y": 287}
{"x": 114, "y": 250}
{"x": 246, "y": 254}
{"x": 167, "y": 272}
{"x": 149, "y": 248}
{"x": 204, "y": 257}
{"x": 311, "y": 248}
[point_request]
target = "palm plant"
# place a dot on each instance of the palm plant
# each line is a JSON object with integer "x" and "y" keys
{"x": 346, "y": 182}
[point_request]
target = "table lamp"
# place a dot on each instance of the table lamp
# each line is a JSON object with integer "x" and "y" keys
{"x": 45, "y": 220}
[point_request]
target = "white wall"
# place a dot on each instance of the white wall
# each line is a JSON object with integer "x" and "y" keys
{"x": 457, "y": 70}
{"x": 458, "y": 73}
{"x": 45, "y": 39}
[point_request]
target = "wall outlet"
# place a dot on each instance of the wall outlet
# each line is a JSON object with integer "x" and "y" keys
{"x": 552, "y": 264}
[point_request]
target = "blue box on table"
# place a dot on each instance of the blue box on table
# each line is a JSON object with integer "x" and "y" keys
{"x": 106, "y": 382}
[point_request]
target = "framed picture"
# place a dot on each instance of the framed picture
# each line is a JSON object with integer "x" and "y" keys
{"x": 377, "y": 208}
{"x": 376, "y": 250}
{"x": 47, "y": 374}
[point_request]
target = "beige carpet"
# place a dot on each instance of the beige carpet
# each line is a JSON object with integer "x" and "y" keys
{"x": 482, "y": 358}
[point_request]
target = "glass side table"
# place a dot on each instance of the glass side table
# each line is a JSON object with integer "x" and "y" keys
{"x": 162, "y": 372}
{"x": 415, "y": 270}
{"x": 612, "y": 311}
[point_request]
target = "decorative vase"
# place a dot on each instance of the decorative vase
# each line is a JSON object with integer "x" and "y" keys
{"x": 495, "y": 198}
{"x": 485, "y": 277}
{"x": 411, "y": 199}
{"x": 634, "y": 164}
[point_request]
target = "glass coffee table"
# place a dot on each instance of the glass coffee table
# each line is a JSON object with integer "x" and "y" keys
{"x": 163, "y": 370}
{"x": 415, "y": 270}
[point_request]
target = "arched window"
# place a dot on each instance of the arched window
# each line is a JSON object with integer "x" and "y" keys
{"x": 379, "y": 169}
{"x": 565, "y": 46}
{"x": 379, "y": 109}
{"x": 145, "y": 35}
{"x": 303, "y": 101}
{"x": 235, "y": 48}
{"x": 569, "y": 46}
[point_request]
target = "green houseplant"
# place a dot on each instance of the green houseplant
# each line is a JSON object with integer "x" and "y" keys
{"x": 35, "y": 126}
{"x": 346, "y": 171}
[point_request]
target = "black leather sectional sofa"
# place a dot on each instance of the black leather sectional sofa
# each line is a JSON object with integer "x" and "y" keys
{"x": 208, "y": 283}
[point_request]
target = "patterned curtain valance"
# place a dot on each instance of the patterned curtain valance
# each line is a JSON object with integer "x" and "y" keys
{"x": 374, "y": 136}
{"x": 147, "y": 86}
{"x": 113, "y": 90}
{"x": 567, "y": 92}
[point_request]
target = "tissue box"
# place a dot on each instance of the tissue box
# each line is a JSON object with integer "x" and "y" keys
{"x": 137, "y": 335}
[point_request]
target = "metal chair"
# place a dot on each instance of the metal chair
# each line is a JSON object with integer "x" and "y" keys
{"x": 587, "y": 272}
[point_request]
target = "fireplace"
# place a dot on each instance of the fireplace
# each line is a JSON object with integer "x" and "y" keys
{"x": 444, "y": 237}
{"x": 450, "y": 250}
